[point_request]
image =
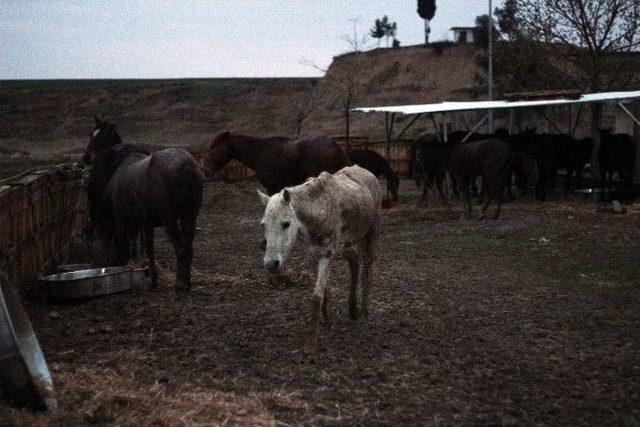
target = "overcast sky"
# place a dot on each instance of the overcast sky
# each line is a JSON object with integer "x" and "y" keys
{"x": 58, "y": 39}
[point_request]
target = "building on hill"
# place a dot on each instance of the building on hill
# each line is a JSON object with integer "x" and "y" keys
{"x": 462, "y": 34}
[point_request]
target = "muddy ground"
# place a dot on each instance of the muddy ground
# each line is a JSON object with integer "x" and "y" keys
{"x": 531, "y": 319}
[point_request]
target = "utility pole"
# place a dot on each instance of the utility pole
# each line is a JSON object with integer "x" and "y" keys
{"x": 490, "y": 71}
{"x": 356, "y": 44}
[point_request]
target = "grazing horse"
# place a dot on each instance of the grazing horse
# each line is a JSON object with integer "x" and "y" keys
{"x": 130, "y": 190}
{"x": 377, "y": 165}
{"x": 278, "y": 162}
{"x": 490, "y": 159}
{"x": 338, "y": 215}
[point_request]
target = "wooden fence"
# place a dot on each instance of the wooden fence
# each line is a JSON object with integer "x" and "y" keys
{"x": 399, "y": 158}
{"x": 41, "y": 212}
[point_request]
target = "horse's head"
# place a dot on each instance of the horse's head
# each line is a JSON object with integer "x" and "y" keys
{"x": 104, "y": 136}
{"x": 280, "y": 226}
{"x": 218, "y": 154}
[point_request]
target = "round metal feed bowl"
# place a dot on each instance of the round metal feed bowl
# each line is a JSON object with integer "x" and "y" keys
{"x": 25, "y": 379}
{"x": 91, "y": 283}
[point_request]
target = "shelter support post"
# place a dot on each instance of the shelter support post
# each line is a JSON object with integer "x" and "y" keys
{"x": 445, "y": 136}
{"x": 389, "y": 120}
{"x": 435, "y": 127}
{"x": 636, "y": 135}
{"x": 480, "y": 123}
{"x": 577, "y": 122}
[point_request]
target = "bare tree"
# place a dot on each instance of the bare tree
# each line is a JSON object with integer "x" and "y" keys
{"x": 347, "y": 86}
{"x": 355, "y": 42}
{"x": 593, "y": 36}
{"x": 304, "y": 106}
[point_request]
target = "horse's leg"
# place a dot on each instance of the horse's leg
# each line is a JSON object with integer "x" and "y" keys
{"x": 188, "y": 226}
{"x": 367, "y": 261}
{"x": 466, "y": 198}
{"x": 177, "y": 240}
{"x": 354, "y": 267}
{"x": 454, "y": 187}
{"x": 487, "y": 201}
{"x": 325, "y": 310}
{"x": 151, "y": 255}
{"x": 603, "y": 186}
{"x": 319, "y": 292}
{"x": 425, "y": 183}
{"x": 498, "y": 196}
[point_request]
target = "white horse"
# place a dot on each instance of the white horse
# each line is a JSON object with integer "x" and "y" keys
{"x": 338, "y": 215}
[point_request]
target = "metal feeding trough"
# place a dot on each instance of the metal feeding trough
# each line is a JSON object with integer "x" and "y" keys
{"x": 25, "y": 379}
{"x": 92, "y": 282}
{"x": 68, "y": 268}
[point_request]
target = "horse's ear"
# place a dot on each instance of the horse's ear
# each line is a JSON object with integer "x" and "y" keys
{"x": 286, "y": 195}
{"x": 263, "y": 198}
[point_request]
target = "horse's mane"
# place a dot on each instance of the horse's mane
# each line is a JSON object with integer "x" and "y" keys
{"x": 107, "y": 161}
{"x": 104, "y": 166}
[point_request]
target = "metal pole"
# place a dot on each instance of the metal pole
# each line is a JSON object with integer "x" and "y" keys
{"x": 490, "y": 71}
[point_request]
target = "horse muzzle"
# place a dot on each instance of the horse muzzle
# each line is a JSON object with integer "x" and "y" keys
{"x": 272, "y": 265}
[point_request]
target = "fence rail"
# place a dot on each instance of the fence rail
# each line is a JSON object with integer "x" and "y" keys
{"x": 41, "y": 212}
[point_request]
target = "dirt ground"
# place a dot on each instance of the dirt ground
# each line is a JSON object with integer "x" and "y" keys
{"x": 530, "y": 319}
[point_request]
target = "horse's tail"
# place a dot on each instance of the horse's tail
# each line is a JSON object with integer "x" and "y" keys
{"x": 190, "y": 185}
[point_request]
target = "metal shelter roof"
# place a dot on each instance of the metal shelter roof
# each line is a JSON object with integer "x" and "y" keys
{"x": 495, "y": 105}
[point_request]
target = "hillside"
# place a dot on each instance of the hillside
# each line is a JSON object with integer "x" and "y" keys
{"x": 53, "y": 118}
{"x": 56, "y": 117}
{"x": 407, "y": 75}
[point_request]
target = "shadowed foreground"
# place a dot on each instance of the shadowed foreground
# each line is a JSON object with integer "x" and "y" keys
{"x": 533, "y": 318}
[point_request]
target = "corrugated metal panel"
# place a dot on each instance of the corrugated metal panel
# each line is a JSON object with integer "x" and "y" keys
{"x": 495, "y": 105}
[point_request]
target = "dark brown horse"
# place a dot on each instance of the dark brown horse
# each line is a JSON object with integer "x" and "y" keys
{"x": 130, "y": 190}
{"x": 490, "y": 159}
{"x": 377, "y": 165}
{"x": 278, "y": 162}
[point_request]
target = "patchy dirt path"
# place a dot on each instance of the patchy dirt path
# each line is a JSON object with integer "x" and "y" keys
{"x": 471, "y": 322}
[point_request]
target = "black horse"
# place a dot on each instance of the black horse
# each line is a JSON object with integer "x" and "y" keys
{"x": 489, "y": 159}
{"x": 130, "y": 190}
{"x": 377, "y": 165}
{"x": 617, "y": 155}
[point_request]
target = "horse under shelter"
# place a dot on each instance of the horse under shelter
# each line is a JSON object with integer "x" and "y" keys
{"x": 628, "y": 102}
